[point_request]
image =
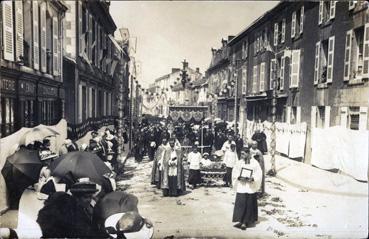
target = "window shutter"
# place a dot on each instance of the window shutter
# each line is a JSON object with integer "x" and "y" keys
{"x": 283, "y": 30}
{"x": 244, "y": 80}
{"x": 302, "y": 20}
{"x": 298, "y": 114}
{"x": 317, "y": 63}
{"x": 81, "y": 36}
{"x": 321, "y": 9}
{"x": 330, "y": 59}
{"x": 327, "y": 117}
{"x": 366, "y": 52}
{"x": 275, "y": 34}
{"x": 97, "y": 41}
{"x": 352, "y": 5}
{"x": 18, "y": 30}
{"x": 262, "y": 77}
{"x": 313, "y": 117}
{"x": 332, "y": 10}
{"x": 344, "y": 113}
{"x": 295, "y": 71}
{"x": 363, "y": 118}
{"x": 288, "y": 115}
{"x": 90, "y": 102}
{"x": 35, "y": 36}
{"x": 90, "y": 26}
{"x": 8, "y": 41}
{"x": 43, "y": 36}
{"x": 272, "y": 76}
{"x": 87, "y": 34}
{"x": 347, "y": 65}
{"x": 282, "y": 72}
{"x": 55, "y": 45}
{"x": 293, "y": 25}
{"x": 254, "y": 79}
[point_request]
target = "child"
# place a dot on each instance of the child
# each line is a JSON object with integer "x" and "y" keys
{"x": 194, "y": 159}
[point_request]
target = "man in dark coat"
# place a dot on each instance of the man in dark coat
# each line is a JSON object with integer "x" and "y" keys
{"x": 260, "y": 138}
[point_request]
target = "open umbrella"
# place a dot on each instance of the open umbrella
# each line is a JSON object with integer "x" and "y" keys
{"x": 80, "y": 164}
{"x": 21, "y": 170}
{"x": 37, "y": 134}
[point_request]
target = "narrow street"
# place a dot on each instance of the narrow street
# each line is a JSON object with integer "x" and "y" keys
{"x": 286, "y": 211}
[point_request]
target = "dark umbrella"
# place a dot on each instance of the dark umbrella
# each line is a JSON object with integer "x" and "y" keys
{"x": 80, "y": 164}
{"x": 21, "y": 170}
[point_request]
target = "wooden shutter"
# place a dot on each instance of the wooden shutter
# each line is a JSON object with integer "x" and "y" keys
{"x": 332, "y": 9}
{"x": 90, "y": 40}
{"x": 262, "y": 77}
{"x": 344, "y": 114}
{"x": 330, "y": 59}
{"x": 295, "y": 71}
{"x": 81, "y": 36}
{"x": 313, "y": 117}
{"x": 283, "y": 30}
{"x": 327, "y": 116}
{"x": 55, "y": 45}
{"x": 244, "y": 80}
{"x": 96, "y": 43}
{"x": 366, "y": 52}
{"x": 347, "y": 65}
{"x": 275, "y": 34}
{"x": 254, "y": 79}
{"x": 317, "y": 63}
{"x": 363, "y": 118}
{"x": 293, "y": 25}
{"x": 43, "y": 36}
{"x": 18, "y": 30}
{"x": 352, "y": 5}
{"x": 272, "y": 69}
{"x": 8, "y": 40}
{"x": 321, "y": 11}
{"x": 282, "y": 72}
{"x": 302, "y": 19}
{"x": 298, "y": 114}
{"x": 35, "y": 36}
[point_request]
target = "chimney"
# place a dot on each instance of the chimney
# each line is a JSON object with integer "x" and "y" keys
{"x": 224, "y": 42}
{"x": 230, "y": 38}
{"x": 197, "y": 69}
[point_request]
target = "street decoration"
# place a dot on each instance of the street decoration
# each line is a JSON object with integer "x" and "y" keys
{"x": 188, "y": 113}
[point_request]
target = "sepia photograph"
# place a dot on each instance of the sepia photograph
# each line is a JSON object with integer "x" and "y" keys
{"x": 184, "y": 119}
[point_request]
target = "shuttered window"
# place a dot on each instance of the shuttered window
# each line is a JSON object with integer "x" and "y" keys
{"x": 366, "y": 52}
{"x": 35, "y": 36}
{"x": 244, "y": 79}
{"x": 363, "y": 118}
{"x": 321, "y": 11}
{"x": 80, "y": 28}
{"x": 295, "y": 71}
{"x": 43, "y": 36}
{"x": 283, "y": 30}
{"x": 254, "y": 79}
{"x": 332, "y": 10}
{"x": 90, "y": 39}
{"x": 7, "y": 13}
{"x": 302, "y": 20}
{"x": 19, "y": 55}
{"x": 55, "y": 46}
{"x": 317, "y": 63}
{"x": 275, "y": 34}
{"x": 293, "y": 25}
{"x": 282, "y": 72}
{"x": 344, "y": 116}
{"x": 347, "y": 66}
{"x": 330, "y": 59}
{"x": 262, "y": 77}
{"x": 272, "y": 71}
{"x": 327, "y": 116}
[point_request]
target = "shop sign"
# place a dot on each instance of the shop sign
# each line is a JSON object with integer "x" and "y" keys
{"x": 7, "y": 85}
{"x": 27, "y": 88}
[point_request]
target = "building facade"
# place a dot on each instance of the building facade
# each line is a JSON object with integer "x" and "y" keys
{"x": 316, "y": 56}
{"x": 94, "y": 64}
{"x": 31, "y": 64}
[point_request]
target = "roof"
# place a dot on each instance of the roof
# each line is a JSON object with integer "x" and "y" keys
{"x": 162, "y": 77}
{"x": 256, "y": 22}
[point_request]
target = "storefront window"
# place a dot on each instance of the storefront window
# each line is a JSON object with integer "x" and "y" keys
{"x": 7, "y": 116}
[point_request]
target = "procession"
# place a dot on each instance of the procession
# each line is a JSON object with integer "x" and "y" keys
{"x": 184, "y": 119}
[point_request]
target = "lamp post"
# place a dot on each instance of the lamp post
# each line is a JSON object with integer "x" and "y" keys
{"x": 273, "y": 171}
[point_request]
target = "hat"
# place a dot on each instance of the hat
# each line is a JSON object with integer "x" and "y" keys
{"x": 207, "y": 154}
{"x": 233, "y": 143}
{"x": 131, "y": 224}
{"x": 84, "y": 186}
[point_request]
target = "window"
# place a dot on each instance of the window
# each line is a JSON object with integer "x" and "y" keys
{"x": 277, "y": 72}
{"x": 295, "y": 69}
{"x": 7, "y": 116}
{"x": 262, "y": 77}
{"x": 354, "y": 117}
{"x": 244, "y": 79}
{"x": 320, "y": 116}
{"x": 293, "y": 115}
{"x": 297, "y": 24}
{"x": 324, "y": 56}
{"x": 279, "y": 32}
{"x": 255, "y": 79}
{"x": 357, "y": 53}
{"x": 327, "y": 11}
{"x": 245, "y": 46}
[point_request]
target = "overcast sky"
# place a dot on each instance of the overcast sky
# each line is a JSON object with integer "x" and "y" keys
{"x": 169, "y": 32}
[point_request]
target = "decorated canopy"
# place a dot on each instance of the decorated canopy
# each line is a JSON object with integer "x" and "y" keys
{"x": 188, "y": 113}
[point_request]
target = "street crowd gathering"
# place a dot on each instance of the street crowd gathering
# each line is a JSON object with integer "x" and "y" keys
{"x": 78, "y": 186}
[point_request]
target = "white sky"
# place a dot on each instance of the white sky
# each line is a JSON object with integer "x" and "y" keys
{"x": 168, "y": 32}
